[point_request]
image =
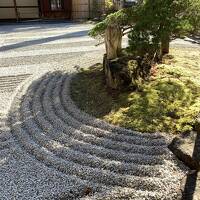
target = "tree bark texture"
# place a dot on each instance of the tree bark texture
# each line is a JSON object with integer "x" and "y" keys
{"x": 113, "y": 40}
{"x": 165, "y": 40}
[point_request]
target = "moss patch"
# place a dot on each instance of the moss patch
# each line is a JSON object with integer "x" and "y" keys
{"x": 169, "y": 102}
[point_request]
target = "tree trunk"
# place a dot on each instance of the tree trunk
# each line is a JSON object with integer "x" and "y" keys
{"x": 113, "y": 40}
{"x": 110, "y": 79}
{"x": 165, "y": 45}
{"x": 119, "y": 47}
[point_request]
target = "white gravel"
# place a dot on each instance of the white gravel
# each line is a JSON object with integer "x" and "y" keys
{"x": 49, "y": 149}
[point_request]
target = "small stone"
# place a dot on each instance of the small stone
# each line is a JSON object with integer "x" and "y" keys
{"x": 87, "y": 191}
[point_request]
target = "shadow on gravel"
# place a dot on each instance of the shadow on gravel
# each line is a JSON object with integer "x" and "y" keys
{"x": 191, "y": 180}
{"x": 194, "y": 39}
{"x": 43, "y": 40}
{"x": 56, "y": 136}
{"x": 4, "y": 142}
{"x": 33, "y": 25}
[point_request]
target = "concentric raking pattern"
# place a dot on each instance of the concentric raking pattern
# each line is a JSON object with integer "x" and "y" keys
{"x": 109, "y": 162}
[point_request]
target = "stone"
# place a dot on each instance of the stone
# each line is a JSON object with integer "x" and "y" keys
{"x": 190, "y": 186}
{"x": 187, "y": 149}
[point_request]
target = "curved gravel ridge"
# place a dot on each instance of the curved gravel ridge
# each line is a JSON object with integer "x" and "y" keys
{"x": 109, "y": 162}
{"x": 90, "y": 120}
{"x": 64, "y": 106}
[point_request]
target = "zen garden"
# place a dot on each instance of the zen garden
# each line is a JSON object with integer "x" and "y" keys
{"x": 103, "y": 109}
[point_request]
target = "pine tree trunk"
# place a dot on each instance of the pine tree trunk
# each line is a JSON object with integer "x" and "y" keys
{"x": 113, "y": 39}
{"x": 165, "y": 44}
{"x": 113, "y": 42}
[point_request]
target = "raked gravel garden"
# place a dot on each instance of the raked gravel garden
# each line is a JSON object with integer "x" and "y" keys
{"x": 50, "y": 149}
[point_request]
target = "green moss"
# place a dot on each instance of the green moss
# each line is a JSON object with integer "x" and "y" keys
{"x": 90, "y": 93}
{"x": 169, "y": 102}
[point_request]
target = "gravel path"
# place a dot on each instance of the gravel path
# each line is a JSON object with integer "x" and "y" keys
{"x": 49, "y": 149}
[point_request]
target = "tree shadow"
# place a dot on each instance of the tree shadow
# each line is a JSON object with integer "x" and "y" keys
{"x": 194, "y": 39}
{"x": 36, "y": 133}
{"x": 157, "y": 107}
{"x": 191, "y": 180}
{"x": 6, "y": 27}
{"x": 43, "y": 40}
